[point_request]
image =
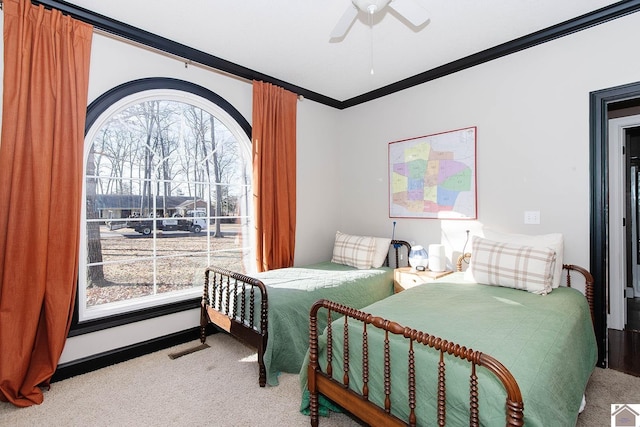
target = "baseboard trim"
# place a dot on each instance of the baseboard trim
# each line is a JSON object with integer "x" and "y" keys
{"x": 108, "y": 358}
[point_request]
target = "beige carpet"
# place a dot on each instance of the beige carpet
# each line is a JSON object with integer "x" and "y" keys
{"x": 207, "y": 387}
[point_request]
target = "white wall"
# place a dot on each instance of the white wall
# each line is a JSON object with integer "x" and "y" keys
{"x": 113, "y": 63}
{"x": 318, "y": 182}
{"x": 532, "y": 113}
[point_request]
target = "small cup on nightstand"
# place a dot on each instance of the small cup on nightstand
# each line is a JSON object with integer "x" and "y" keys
{"x": 438, "y": 258}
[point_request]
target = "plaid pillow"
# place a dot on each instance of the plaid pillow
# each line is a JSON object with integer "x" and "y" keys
{"x": 512, "y": 266}
{"x": 381, "y": 250}
{"x": 355, "y": 251}
{"x": 554, "y": 241}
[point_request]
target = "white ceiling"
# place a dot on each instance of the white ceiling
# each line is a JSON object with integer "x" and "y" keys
{"x": 289, "y": 39}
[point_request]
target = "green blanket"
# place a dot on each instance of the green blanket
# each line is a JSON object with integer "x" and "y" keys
{"x": 292, "y": 291}
{"x": 547, "y": 342}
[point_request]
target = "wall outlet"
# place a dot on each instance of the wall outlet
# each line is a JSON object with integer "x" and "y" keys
{"x": 532, "y": 217}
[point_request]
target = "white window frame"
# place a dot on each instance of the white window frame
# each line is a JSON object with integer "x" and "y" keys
{"x": 121, "y": 307}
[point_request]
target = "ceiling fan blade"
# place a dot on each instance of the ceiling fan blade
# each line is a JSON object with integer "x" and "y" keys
{"x": 413, "y": 11}
{"x": 345, "y": 22}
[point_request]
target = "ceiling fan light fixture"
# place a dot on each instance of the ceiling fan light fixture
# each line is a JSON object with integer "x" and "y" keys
{"x": 370, "y": 6}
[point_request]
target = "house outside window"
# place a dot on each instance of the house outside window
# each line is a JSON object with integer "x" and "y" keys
{"x": 167, "y": 192}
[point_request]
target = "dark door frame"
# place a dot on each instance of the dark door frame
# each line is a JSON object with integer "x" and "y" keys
{"x": 599, "y": 186}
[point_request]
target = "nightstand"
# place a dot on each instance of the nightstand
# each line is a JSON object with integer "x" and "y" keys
{"x": 406, "y": 277}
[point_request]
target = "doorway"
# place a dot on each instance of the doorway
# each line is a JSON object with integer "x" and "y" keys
{"x": 606, "y": 104}
{"x": 632, "y": 292}
{"x": 623, "y": 333}
{"x": 624, "y": 224}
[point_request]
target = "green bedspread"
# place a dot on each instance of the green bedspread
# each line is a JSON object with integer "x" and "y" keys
{"x": 292, "y": 291}
{"x": 547, "y": 342}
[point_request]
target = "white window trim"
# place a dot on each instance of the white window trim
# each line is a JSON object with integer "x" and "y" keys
{"x": 120, "y": 307}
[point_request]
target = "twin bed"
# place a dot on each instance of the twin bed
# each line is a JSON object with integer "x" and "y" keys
{"x": 270, "y": 310}
{"x": 531, "y": 352}
{"x": 504, "y": 345}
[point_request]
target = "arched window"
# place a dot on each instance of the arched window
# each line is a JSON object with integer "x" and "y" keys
{"x": 167, "y": 192}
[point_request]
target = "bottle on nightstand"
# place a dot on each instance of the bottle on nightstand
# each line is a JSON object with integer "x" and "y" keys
{"x": 418, "y": 258}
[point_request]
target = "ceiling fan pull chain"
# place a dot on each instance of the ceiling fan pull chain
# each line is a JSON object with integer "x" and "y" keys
{"x": 371, "y": 12}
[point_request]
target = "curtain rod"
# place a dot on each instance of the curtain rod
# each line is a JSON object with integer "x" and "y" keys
{"x": 186, "y": 61}
{"x": 100, "y": 30}
{"x": 186, "y": 54}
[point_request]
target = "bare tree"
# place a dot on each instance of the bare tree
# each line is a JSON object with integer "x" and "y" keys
{"x": 216, "y": 173}
{"x": 154, "y": 119}
{"x": 155, "y": 149}
{"x": 199, "y": 127}
{"x": 95, "y": 273}
{"x": 214, "y": 159}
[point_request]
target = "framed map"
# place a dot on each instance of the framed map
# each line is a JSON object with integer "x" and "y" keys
{"x": 434, "y": 176}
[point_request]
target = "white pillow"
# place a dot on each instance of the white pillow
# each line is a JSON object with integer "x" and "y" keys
{"x": 381, "y": 250}
{"x": 513, "y": 266}
{"x": 354, "y": 251}
{"x": 554, "y": 241}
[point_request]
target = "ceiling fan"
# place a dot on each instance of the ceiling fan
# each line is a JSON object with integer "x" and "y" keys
{"x": 411, "y": 10}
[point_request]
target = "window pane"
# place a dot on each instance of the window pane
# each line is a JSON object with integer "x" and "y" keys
{"x": 120, "y": 282}
{"x": 167, "y": 194}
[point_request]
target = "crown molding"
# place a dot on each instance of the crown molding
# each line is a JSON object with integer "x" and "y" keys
{"x": 187, "y": 53}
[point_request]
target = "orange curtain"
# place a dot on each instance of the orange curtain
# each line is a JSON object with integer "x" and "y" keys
{"x": 274, "y": 175}
{"x": 46, "y": 72}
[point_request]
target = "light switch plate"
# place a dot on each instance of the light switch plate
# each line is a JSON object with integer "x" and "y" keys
{"x": 532, "y": 217}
